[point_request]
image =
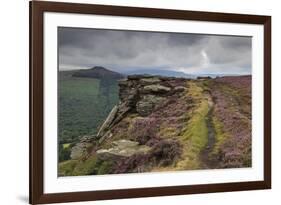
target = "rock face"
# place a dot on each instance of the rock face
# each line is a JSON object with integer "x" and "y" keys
{"x": 145, "y": 106}
{"x": 156, "y": 88}
{"x": 140, "y": 94}
{"x": 108, "y": 121}
{"x": 82, "y": 148}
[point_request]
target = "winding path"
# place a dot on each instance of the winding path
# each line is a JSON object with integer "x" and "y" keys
{"x": 208, "y": 161}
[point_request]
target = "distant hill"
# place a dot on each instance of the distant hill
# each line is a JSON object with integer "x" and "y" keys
{"x": 98, "y": 72}
{"x": 161, "y": 72}
{"x": 170, "y": 73}
{"x": 66, "y": 74}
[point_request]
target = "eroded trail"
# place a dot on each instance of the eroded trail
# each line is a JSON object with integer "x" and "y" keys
{"x": 209, "y": 161}
{"x": 199, "y": 139}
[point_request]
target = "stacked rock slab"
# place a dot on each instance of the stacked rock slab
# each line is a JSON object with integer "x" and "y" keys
{"x": 122, "y": 148}
{"x": 139, "y": 94}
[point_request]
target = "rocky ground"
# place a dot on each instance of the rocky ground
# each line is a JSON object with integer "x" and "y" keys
{"x": 167, "y": 124}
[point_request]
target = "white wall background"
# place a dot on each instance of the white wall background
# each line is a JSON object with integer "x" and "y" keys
{"x": 14, "y": 101}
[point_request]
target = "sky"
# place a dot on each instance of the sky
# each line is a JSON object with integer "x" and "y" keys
{"x": 124, "y": 51}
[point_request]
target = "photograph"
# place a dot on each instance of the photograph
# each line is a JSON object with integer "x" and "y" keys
{"x": 129, "y": 102}
{"x": 144, "y": 101}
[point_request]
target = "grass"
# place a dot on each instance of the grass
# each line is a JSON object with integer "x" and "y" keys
{"x": 91, "y": 166}
{"x": 78, "y": 168}
{"x": 66, "y": 168}
{"x": 167, "y": 132}
{"x": 195, "y": 136}
{"x": 221, "y": 136}
{"x": 105, "y": 167}
{"x": 86, "y": 167}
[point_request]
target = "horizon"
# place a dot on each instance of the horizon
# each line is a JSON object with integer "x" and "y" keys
{"x": 131, "y": 72}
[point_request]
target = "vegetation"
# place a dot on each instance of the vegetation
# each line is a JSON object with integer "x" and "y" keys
{"x": 232, "y": 114}
{"x": 180, "y": 124}
{"x": 64, "y": 152}
{"x": 195, "y": 136}
{"x": 144, "y": 129}
{"x": 66, "y": 168}
{"x": 84, "y": 103}
{"x": 221, "y": 135}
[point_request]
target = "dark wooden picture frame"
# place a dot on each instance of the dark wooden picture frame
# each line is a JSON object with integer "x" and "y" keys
{"x": 37, "y": 9}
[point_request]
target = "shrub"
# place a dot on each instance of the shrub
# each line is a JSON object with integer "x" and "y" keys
{"x": 153, "y": 141}
{"x": 165, "y": 152}
{"x": 105, "y": 167}
{"x": 144, "y": 129}
{"x": 64, "y": 153}
{"x": 132, "y": 164}
{"x": 66, "y": 167}
{"x": 87, "y": 167}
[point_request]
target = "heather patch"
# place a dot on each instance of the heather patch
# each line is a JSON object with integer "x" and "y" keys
{"x": 144, "y": 129}
{"x": 233, "y": 124}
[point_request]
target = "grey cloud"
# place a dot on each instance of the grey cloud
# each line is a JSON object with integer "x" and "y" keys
{"x": 124, "y": 50}
{"x": 184, "y": 39}
{"x": 229, "y": 50}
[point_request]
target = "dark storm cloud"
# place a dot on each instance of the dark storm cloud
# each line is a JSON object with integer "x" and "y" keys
{"x": 183, "y": 39}
{"x": 125, "y": 50}
{"x": 223, "y": 49}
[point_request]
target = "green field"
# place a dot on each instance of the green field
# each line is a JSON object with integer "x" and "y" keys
{"x": 84, "y": 104}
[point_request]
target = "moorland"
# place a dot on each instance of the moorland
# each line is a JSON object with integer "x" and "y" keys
{"x": 110, "y": 123}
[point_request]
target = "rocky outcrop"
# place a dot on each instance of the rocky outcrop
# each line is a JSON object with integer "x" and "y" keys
{"x": 141, "y": 94}
{"x": 155, "y": 88}
{"x": 145, "y": 106}
{"x": 82, "y": 148}
{"x": 122, "y": 148}
{"x": 108, "y": 121}
{"x": 142, "y": 131}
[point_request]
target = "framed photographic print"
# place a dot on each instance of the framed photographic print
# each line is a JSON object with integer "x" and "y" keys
{"x": 138, "y": 102}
